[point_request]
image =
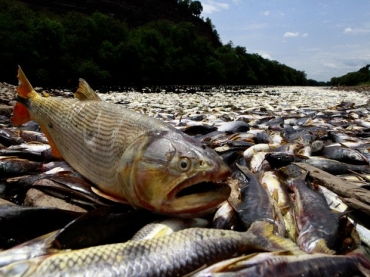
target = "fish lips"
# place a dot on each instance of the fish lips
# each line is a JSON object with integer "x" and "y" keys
{"x": 199, "y": 194}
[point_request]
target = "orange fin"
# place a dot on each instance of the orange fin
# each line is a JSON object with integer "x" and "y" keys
{"x": 85, "y": 92}
{"x": 24, "y": 86}
{"x": 54, "y": 150}
{"x": 109, "y": 197}
{"x": 20, "y": 115}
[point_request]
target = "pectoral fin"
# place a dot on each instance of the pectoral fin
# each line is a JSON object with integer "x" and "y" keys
{"x": 109, "y": 197}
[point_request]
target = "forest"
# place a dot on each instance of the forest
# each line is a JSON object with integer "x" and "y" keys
{"x": 55, "y": 49}
{"x": 358, "y": 78}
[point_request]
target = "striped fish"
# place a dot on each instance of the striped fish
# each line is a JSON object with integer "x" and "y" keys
{"x": 128, "y": 156}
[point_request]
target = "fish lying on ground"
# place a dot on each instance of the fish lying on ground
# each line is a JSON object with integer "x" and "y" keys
{"x": 280, "y": 264}
{"x": 317, "y": 224}
{"x": 257, "y": 205}
{"x": 176, "y": 254}
{"x": 130, "y": 157}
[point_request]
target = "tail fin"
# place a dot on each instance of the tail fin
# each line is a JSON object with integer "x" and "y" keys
{"x": 20, "y": 112}
{"x": 24, "y": 86}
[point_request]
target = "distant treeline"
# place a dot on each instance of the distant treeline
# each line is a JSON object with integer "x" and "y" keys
{"x": 358, "y": 78}
{"x": 57, "y": 50}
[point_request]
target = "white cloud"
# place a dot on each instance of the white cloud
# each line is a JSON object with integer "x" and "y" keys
{"x": 211, "y": 6}
{"x": 266, "y": 13}
{"x": 266, "y": 56}
{"x": 305, "y": 35}
{"x": 330, "y": 65}
{"x": 290, "y": 34}
{"x": 237, "y": 2}
{"x": 356, "y": 31}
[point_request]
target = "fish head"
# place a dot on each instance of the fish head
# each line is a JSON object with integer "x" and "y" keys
{"x": 355, "y": 157}
{"x": 172, "y": 173}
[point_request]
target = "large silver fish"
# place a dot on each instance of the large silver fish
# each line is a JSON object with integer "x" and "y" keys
{"x": 176, "y": 254}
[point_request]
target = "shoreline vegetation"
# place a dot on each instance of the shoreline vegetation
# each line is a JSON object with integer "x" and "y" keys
{"x": 59, "y": 47}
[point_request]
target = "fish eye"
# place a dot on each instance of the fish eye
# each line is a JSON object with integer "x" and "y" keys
{"x": 184, "y": 164}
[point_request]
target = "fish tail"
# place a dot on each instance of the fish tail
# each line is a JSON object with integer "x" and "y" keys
{"x": 20, "y": 113}
{"x": 268, "y": 241}
{"x": 24, "y": 86}
{"x": 22, "y": 268}
{"x": 321, "y": 247}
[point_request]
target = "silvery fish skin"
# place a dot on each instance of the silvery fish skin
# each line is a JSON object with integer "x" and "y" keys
{"x": 317, "y": 224}
{"x": 174, "y": 255}
{"x": 281, "y": 264}
{"x": 346, "y": 155}
{"x": 257, "y": 204}
{"x": 130, "y": 157}
{"x": 278, "y": 192}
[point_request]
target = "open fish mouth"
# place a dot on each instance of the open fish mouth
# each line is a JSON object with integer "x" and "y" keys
{"x": 202, "y": 188}
{"x": 193, "y": 199}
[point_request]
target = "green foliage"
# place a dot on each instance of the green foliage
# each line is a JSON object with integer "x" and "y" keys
{"x": 57, "y": 50}
{"x": 196, "y": 8}
{"x": 361, "y": 77}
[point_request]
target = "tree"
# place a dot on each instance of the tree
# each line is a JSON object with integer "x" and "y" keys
{"x": 196, "y": 8}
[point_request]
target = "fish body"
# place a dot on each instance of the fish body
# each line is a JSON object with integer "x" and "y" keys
{"x": 176, "y": 254}
{"x": 279, "y": 264}
{"x": 280, "y": 195}
{"x": 257, "y": 205}
{"x": 317, "y": 225}
{"x": 343, "y": 154}
{"x": 128, "y": 156}
{"x": 336, "y": 167}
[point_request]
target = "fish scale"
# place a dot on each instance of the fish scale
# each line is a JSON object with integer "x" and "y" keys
{"x": 173, "y": 255}
{"x": 101, "y": 156}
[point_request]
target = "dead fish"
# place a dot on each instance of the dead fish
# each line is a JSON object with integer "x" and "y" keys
{"x": 285, "y": 265}
{"x": 8, "y": 137}
{"x": 29, "y": 136}
{"x": 162, "y": 256}
{"x": 234, "y": 126}
{"x": 336, "y": 167}
{"x": 344, "y": 154}
{"x": 127, "y": 155}
{"x": 261, "y": 147}
{"x": 257, "y": 205}
{"x": 280, "y": 195}
{"x": 317, "y": 224}
{"x": 13, "y": 165}
{"x": 280, "y": 159}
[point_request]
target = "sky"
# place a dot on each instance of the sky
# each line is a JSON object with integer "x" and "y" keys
{"x": 324, "y": 39}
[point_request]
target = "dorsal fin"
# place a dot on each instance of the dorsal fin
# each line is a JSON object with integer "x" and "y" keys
{"x": 85, "y": 92}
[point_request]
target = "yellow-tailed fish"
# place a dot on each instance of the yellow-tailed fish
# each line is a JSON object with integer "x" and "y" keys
{"x": 130, "y": 157}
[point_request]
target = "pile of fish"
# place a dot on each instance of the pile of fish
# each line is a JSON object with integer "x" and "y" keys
{"x": 297, "y": 200}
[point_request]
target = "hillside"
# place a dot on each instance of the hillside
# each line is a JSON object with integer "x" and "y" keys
{"x": 123, "y": 43}
{"x": 134, "y": 13}
{"x": 357, "y": 78}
